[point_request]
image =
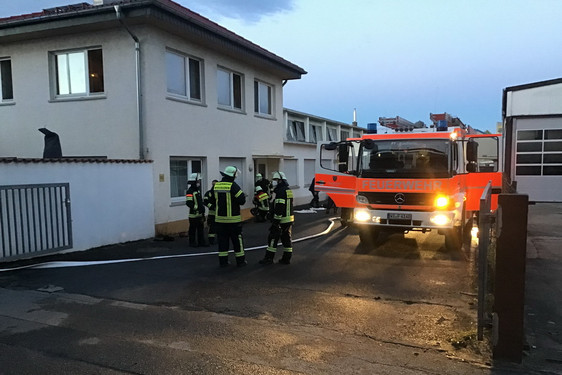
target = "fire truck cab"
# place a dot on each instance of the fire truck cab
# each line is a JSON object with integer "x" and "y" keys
{"x": 421, "y": 180}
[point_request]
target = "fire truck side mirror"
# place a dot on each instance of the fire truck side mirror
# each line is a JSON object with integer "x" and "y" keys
{"x": 369, "y": 144}
{"x": 472, "y": 151}
{"x": 331, "y": 146}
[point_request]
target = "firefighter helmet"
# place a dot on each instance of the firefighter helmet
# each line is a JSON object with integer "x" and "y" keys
{"x": 276, "y": 176}
{"x": 258, "y": 176}
{"x": 258, "y": 188}
{"x": 194, "y": 177}
{"x": 230, "y": 171}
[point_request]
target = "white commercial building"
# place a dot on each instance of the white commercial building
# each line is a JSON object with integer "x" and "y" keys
{"x": 532, "y": 128}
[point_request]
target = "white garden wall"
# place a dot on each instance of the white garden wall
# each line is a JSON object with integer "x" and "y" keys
{"x": 112, "y": 201}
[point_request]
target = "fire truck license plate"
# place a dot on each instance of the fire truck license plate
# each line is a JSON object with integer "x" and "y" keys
{"x": 392, "y": 216}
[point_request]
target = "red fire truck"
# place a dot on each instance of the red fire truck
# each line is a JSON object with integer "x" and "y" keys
{"x": 412, "y": 179}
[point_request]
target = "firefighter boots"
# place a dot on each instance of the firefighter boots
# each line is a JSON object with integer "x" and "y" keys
{"x": 223, "y": 261}
{"x": 268, "y": 259}
{"x": 286, "y": 259}
{"x": 241, "y": 261}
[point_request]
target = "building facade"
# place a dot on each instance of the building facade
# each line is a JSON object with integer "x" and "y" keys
{"x": 532, "y": 127}
{"x": 152, "y": 80}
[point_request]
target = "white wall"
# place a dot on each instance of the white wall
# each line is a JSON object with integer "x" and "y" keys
{"x": 176, "y": 128}
{"x": 110, "y": 202}
{"x": 542, "y": 100}
{"x": 105, "y": 126}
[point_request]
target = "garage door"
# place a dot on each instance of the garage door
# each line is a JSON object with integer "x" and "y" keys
{"x": 538, "y": 158}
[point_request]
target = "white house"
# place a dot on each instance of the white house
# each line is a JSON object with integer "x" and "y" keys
{"x": 145, "y": 79}
{"x": 532, "y": 126}
{"x": 302, "y": 134}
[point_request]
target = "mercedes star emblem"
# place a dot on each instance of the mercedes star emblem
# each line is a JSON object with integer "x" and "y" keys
{"x": 400, "y": 198}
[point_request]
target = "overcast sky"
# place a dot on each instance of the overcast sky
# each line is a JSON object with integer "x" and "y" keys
{"x": 391, "y": 58}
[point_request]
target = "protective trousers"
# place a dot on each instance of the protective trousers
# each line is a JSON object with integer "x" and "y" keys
{"x": 226, "y": 233}
{"x": 212, "y": 228}
{"x": 278, "y": 232}
{"x": 196, "y": 231}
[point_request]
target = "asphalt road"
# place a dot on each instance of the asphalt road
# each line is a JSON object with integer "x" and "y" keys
{"x": 406, "y": 306}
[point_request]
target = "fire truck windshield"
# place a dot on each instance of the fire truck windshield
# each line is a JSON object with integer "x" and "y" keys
{"x": 412, "y": 158}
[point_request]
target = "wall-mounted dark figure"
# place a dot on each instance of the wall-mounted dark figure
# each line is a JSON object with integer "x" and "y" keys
{"x": 52, "y": 148}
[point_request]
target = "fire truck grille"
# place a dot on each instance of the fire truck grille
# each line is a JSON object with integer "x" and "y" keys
{"x": 402, "y": 199}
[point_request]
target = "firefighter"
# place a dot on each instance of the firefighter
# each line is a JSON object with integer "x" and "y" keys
{"x": 261, "y": 201}
{"x": 229, "y": 197}
{"x": 263, "y": 183}
{"x": 194, "y": 201}
{"x": 315, "y": 202}
{"x": 282, "y": 221}
{"x": 209, "y": 201}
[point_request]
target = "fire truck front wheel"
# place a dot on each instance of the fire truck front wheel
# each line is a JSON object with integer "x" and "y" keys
{"x": 453, "y": 239}
{"x": 368, "y": 234}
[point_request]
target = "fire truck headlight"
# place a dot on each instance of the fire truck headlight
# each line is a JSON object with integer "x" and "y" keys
{"x": 362, "y": 199}
{"x": 441, "y": 201}
{"x": 362, "y": 215}
{"x": 440, "y": 219}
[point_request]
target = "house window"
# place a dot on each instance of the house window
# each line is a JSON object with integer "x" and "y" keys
{"x": 315, "y": 134}
{"x": 180, "y": 169}
{"x": 539, "y": 152}
{"x": 183, "y": 76}
{"x": 262, "y": 98}
{"x": 79, "y": 72}
{"x": 295, "y": 131}
{"x": 6, "y": 88}
{"x": 332, "y": 134}
{"x": 344, "y": 135}
{"x": 229, "y": 89}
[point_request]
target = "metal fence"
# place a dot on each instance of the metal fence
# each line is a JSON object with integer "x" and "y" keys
{"x": 34, "y": 219}
{"x": 484, "y": 228}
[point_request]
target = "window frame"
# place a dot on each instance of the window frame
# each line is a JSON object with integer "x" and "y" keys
{"x": 4, "y": 97}
{"x": 187, "y": 76}
{"x": 295, "y": 131}
{"x": 258, "y": 86}
{"x": 193, "y": 165}
{"x": 87, "y": 71}
{"x": 233, "y": 86}
{"x": 538, "y": 152}
{"x": 315, "y": 133}
{"x": 332, "y": 134}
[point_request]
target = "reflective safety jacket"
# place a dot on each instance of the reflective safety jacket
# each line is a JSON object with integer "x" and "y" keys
{"x": 283, "y": 203}
{"x": 194, "y": 201}
{"x": 261, "y": 200}
{"x": 228, "y": 197}
{"x": 209, "y": 201}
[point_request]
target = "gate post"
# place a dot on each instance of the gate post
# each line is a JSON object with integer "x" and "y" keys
{"x": 509, "y": 296}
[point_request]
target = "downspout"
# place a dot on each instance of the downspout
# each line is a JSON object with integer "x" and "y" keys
{"x": 138, "y": 81}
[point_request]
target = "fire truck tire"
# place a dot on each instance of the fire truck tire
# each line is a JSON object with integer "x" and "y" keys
{"x": 453, "y": 239}
{"x": 368, "y": 234}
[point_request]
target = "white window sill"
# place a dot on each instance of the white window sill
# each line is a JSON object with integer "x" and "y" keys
{"x": 265, "y": 116}
{"x": 183, "y": 99}
{"x": 233, "y": 110}
{"x": 175, "y": 203}
{"x": 77, "y": 98}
